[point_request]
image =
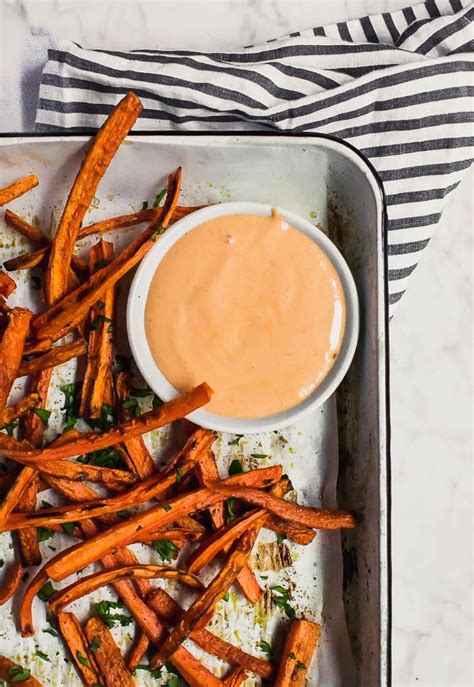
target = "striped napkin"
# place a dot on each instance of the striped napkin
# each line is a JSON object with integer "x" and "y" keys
{"x": 397, "y": 85}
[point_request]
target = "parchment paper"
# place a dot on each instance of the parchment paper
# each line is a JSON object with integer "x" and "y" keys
{"x": 307, "y": 451}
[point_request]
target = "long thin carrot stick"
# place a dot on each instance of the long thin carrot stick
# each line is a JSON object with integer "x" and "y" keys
{"x": 98, "y": 157}
{"x": 17, "y": 189}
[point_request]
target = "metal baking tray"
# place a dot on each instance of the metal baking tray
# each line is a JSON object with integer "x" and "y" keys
{"x": 299, "y": 173}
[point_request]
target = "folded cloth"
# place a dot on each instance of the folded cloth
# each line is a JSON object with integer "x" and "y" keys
{"x": 397, "y": 85}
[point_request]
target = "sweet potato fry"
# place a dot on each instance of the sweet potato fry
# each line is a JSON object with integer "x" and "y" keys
{"x": 300, "y": 646}
{"x": 12, "y": 413}
{"x": 138, "y": 458}
{"x": 97, "y": 159}
{"x": 26, "y": 607}
{"x": 207, "y": 601}
{"x": 108, "y": 655}
{"x": 137, "y": 650}
{"x": 236, "y": 678}
{"x": 317, "y": 518}
{"x": 34, "y": 347}
{"x": 92, "y": 441}
{"x": 56, "y": 356}
{"x": 137, "y": 526}
{"x": 114, "y": 479}
{"x": 207, "y": 471}
{"x": 29, "y": 231}
{"x": 7, "y": 284}
{"x": 70, "y": 310}
{"x": 88, "y": 584}
{"x": 14, "y": 494}
{"x": 10, "y": 585}
{"x": 32, "y": 430}
{"x": 97, "y": 378}
{"x": 26, "y": 260}
{"x": 119, "y": 222}
{"x": 168, "y": 610}
{"x": 292, "y": 530}
{"x": 155, "y": 486}
{"x": 76, "y": 642}
{"x": 11, "y": 349}
{"x": 17, "y": 189}
{"x": 10, "y": 670}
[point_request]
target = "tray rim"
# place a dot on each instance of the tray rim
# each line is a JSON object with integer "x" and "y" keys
{"x": 385, "y": 423}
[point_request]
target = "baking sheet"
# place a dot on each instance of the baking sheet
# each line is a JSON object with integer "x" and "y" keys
{"x": 308, "y": 451}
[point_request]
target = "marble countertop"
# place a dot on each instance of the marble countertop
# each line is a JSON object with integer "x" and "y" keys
{"x": 431, "y": 337}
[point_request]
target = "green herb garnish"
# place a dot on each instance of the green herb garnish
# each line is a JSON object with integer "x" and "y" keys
{"x": 18, "y": 674}
{"x": 235, "y": 468}
{"x": 159, "y": 198}
{"x": 166, "y": 507}
{"x": 226, "y": 596}
{"x": 265, "y": 646}
{"x": 40, "y": 654}
{"x": 235, "y": 441}
{"x": 280, "y": 596}
{"x": 166, "y": 549}
{"x": 103, "y": 609}
{"x": 43, "y": 415}
{"x": 100, "y": 319}
{"x": 43, "y": 533}
{"x": 230, "y": 514}
{"x": 46, "y": 591}
{"x": 83, "y": 661}
{"x": 260, "y": 456}
{"x": 92, "y": 648}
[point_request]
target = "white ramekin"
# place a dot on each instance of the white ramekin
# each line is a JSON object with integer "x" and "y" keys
{"x": 157, "y": 381}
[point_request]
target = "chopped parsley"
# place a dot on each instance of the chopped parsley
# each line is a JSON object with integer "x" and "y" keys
{"x": 11, "y": 427}
{"x": 235, "y": 468}
{"x": 43, "y": 533}
{"x": 154, "y": 673}
{"x": 92, "y": 648}
{"x": 280, "y": 538}
{"x": 43, "y": 415}
{"x": 292, "y": 655}
{"x": 265, "y": 647}
{"x": 140, "y": 393}
{"x": 229, "y": 506}
{"x": 166, "y": 549}
{"x": 235, "y": 441}
{"x": 99, "y": 320}
{"x": 103, "y": 609}
{"x": 18, "y": 674}
{"x": 145, "y": 205}
{"x": 40, "y": 654}
{"x": 179, "y": 474}
{"x": 166, "y": 507}
{"x": 226, "y": 596}
{"x": 53, "y": 626}
{"x": 157, "y": 232}
{"x": 260, "y": 456}
{"x": 83, "y": 661}
{"x": 280, "y": 596}
{"x": 131, "y": 405}
{"x": 46, "y": 591}
{"x": 105, "y": 458}
{"x": 159, "y": 198}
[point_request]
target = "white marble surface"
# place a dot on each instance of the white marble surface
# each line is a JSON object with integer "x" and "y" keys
{"x": 431, "y": 335}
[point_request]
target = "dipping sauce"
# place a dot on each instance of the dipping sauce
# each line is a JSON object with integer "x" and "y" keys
{"x": 250, "y": 305}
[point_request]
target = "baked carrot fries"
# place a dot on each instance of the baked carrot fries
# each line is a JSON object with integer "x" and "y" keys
{"x": 114, "y": 482}
{"x": 17, "y": 189}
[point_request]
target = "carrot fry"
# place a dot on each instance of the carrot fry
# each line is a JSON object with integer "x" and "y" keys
{"x": 207, "y": 471}
{"x": 26, "y": 608}
{"x": 17, "y": 189}
{"x": 99, "y": 358}
{"x": 70, "y": 310}
{"x": 13, "y": 496}
{"x": 236, "y": 678}
{"x": 43, "y": 346}
{"x": 114, "y": 479}
{"x": 90, "y": 583}
{"x": 76, "y": 642}
{"x": 25, "y": 260}
{"x": 97, "y": 159}
{"x": 207, "y": 601}
{"x": 56, "y": 356}
{"x": 298, "y": 533}
{"x": 168, "y": 610}
{"x": 108, "y": 655}
{"x": 8, "y": 415}
{"x": 29, "y": 231}
{"x": 300, "y": 646}
{"x": 7, "y": 284}
{"x": 137, "y": 526}
{"x": 8, "y": 671}
{"x": 155, "y": 486}
{"x": 92, "y": 441}
{"x": 13, "y": 579}
{"x": 138, "y": 650}
{"x": 32, "y": 430}
{"x": 138, "y": 458}
{"x": 11, "y": 350}
{"x": 318, "y": 518}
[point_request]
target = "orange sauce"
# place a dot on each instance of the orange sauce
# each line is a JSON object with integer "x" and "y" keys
{"x": 250, "y": 305}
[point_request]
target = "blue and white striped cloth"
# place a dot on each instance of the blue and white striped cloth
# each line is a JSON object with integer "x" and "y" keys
{"x": 397, "y": 85}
